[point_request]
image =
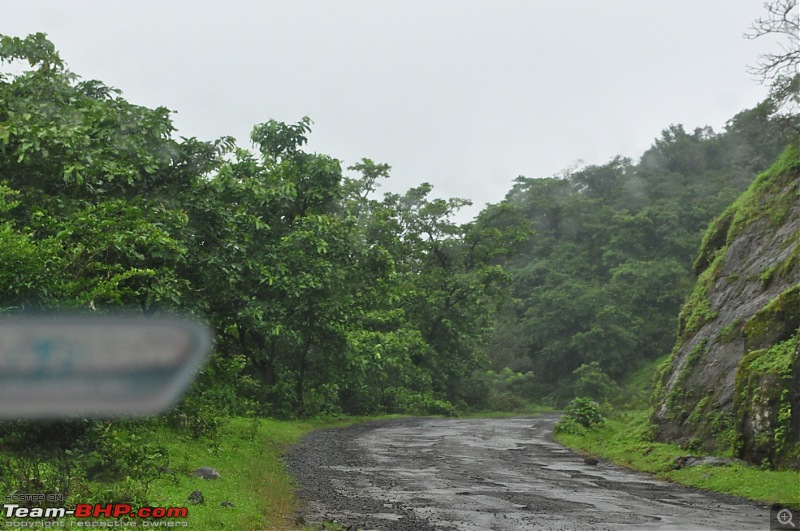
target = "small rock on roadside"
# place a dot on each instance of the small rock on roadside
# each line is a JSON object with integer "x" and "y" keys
{"x": 206, "y": 472}
{"x": 196, "y": 497}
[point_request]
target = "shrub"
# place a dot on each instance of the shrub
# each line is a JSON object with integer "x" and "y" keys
{"x": 197, "y": 416}
{"x": 507, "y": 402}
{"x": 592, "y": 382}
{"x": 81, "y": 459}
{"x": 580, "y": 414}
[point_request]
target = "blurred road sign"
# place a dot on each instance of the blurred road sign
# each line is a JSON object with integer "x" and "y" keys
{"x": 54, "y": 366}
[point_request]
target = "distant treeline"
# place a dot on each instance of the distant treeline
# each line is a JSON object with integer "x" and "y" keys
{"x": 597, "y": 286}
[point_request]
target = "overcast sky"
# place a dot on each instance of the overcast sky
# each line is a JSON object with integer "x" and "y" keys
{"x": 463, "y": 94}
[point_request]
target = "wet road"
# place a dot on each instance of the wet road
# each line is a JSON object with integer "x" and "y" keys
{"x": 477, "y": 474}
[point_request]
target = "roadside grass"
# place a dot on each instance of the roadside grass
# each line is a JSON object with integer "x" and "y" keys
{"x": 624, "y": 439}
{"x": 248, "y": 455}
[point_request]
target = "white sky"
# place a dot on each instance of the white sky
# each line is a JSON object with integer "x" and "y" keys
{"x": 463, "y": 94}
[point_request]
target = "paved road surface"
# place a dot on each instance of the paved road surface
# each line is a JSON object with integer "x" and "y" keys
{"x": 478, "y": 474}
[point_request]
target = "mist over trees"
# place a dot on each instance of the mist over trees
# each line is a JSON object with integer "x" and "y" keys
{"x": 600, "y": 280}
{"x": 326, "y": 298}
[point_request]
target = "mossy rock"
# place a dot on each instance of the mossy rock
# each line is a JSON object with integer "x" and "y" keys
{"x": 775, "y": 323}
{"x": 766, "y": 395}
{"x": 714, "y": 240}
{"x": 732, "y": 383}
{"x": 768, "y": 197}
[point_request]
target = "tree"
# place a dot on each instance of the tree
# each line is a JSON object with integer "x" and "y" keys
{"x": 592, "y": 382}
{"x": 780, "y": 69}
{"x": 91, "y": 216}
{"x": 602, "y": 275}
{"x": 783, "y": 20}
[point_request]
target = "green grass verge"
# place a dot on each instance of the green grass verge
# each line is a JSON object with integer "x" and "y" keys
{"x": 624, "y": 441}
{"x": 248, "y": 455}
{"x": 247, "y": 452}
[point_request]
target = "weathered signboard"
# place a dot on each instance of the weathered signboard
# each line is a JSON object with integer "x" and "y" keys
{"x": 54, "y": 366}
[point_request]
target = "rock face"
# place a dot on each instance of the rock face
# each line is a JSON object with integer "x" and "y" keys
{"x": 732, "y": 383}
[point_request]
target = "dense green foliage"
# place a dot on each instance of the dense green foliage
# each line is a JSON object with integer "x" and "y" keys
{"x": 324, "y": 297}
{"x": 580, "y": 413}
{"x": 603, "y": 274}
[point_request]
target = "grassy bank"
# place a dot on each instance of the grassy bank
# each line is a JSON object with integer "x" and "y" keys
{"x": 625, "y": 440}
{"x": 247, "y": 453}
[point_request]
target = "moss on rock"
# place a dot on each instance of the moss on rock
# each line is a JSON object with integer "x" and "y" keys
{"x": 774, "y": 323}
{"x": 732, "y": 383}
{"x": 763, "y": 405}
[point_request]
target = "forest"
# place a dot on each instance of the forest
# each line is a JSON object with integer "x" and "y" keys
{"x": 328, "y": 297}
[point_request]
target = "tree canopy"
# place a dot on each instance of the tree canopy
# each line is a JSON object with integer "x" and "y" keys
{"x": 326, "y": 297}
{"x": 323, "y": 298}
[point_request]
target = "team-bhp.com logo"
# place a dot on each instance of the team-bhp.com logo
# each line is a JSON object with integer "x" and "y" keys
{"x": 161, "y": 516}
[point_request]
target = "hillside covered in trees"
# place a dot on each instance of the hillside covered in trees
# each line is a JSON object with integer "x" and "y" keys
{"x": 327, "y": 297}
{"x": 596, "y": 287}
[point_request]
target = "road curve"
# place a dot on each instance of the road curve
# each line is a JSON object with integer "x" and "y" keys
{"x": 478, "y": 474}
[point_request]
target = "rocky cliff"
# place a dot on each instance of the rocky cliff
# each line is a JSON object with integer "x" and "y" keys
{"x": 732, "y": 384}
